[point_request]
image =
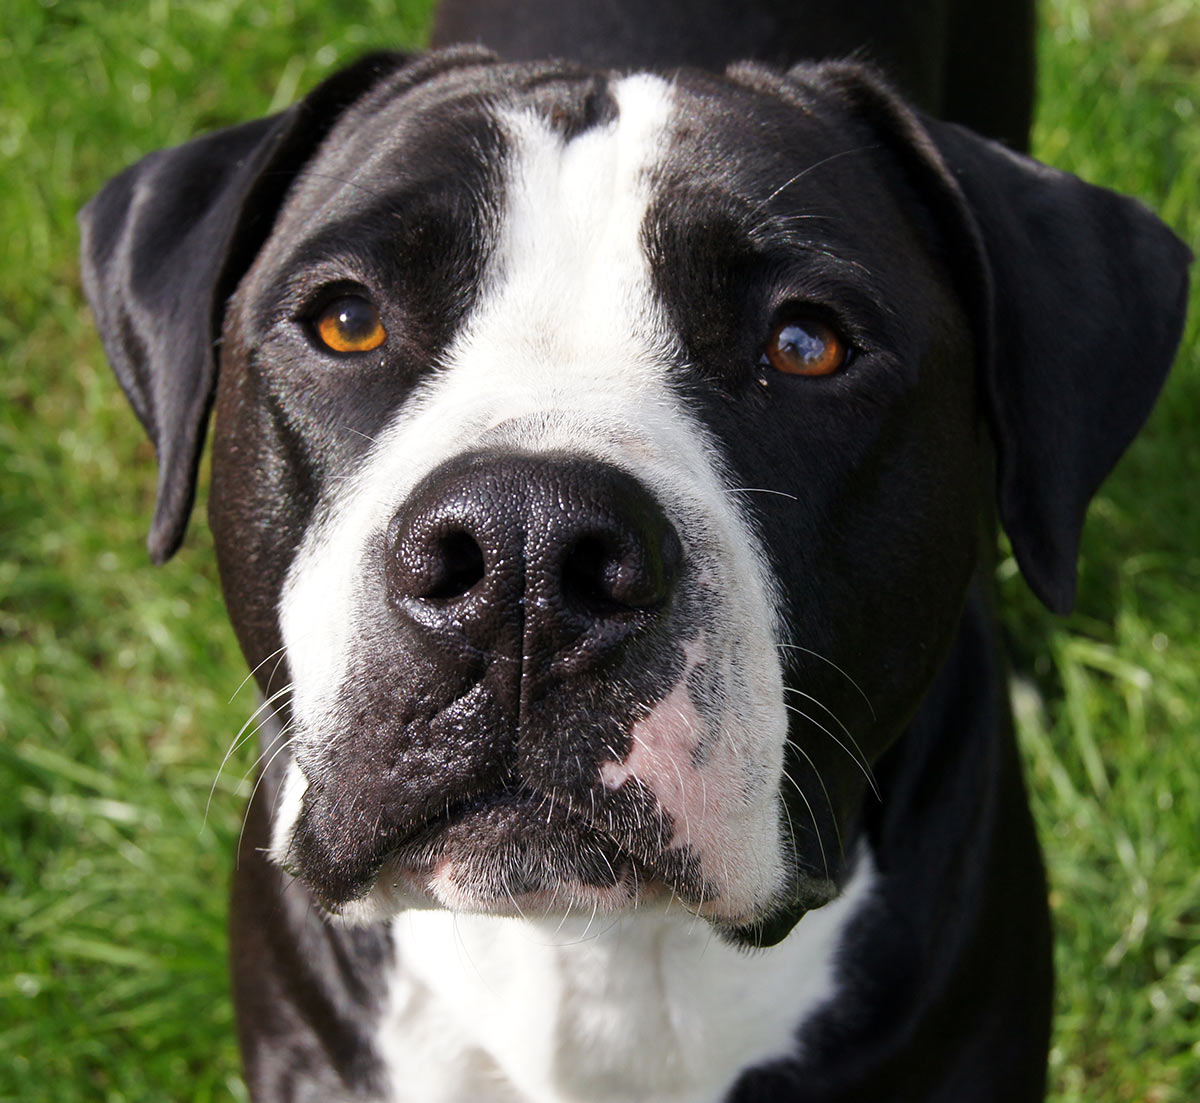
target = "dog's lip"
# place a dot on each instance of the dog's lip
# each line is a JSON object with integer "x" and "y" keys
{"x": 495, "y": 798}
{"x": 438, "y": 863}
{"x": 492, "y": 805}
{"x": 507, "y": 813}
{"x": 517, "y": 851}
{"x": 472, "y": 833}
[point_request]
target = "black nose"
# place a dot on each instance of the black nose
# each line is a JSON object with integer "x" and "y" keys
{"x": 553, "y": 558}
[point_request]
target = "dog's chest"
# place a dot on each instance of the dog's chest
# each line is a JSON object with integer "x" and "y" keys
{"x": 653, "y": 1008}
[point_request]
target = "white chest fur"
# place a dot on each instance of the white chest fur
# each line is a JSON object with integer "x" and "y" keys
{"x": 648, "y": 1007}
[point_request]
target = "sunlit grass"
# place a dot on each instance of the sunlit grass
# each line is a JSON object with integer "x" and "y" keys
{"x": 1111, "y": 747}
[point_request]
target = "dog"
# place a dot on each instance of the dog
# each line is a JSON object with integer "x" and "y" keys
{"x": 606, "y": 467}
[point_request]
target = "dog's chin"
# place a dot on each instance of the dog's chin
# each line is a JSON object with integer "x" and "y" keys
{"x": 510, "y": 856}
{"x": 532, "y": 860}
{"x": 474, "y": 883}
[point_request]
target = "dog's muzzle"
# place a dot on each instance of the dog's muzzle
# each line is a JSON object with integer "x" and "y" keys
{"x": 515, "y": 730}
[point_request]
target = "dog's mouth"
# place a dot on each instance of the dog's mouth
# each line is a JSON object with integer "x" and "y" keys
{"x": 518, "y": 852}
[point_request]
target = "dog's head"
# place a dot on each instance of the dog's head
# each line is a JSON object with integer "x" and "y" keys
{"x": 601, "y": 460}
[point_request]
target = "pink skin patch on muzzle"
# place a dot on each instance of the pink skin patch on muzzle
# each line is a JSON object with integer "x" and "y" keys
{"x": 694, "y": 775}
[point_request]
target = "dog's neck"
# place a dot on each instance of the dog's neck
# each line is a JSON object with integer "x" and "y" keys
{"x": 651, "y": 1007}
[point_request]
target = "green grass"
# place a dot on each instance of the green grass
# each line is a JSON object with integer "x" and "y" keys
{"x": 116, "y": 678}
{"x": 1112, "y": 754}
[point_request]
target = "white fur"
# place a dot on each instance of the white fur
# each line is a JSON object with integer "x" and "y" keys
{"x": 287, "y": 810}
{"x": 569, "y": 350}
{"x": 651, "y": 1008}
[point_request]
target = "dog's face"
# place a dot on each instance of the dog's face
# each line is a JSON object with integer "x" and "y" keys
{"x": 600, "y": 468}
{"x": 564, "y": 521}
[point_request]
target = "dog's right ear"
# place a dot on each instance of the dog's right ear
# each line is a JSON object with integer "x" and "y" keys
{"x": 165, "y": 244}
{"x": 1077, "y": 297}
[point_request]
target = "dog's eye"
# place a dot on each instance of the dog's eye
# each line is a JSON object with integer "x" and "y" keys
{"x": 805, "y": 347}
{"x": 350, "y": 324}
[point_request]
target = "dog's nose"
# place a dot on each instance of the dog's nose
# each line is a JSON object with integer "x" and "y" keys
{"x": 547, "y": 559}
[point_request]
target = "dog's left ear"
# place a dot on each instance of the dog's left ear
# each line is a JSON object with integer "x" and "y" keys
{"x": 165, "y": 244}
{"x": 1078, "y": 298}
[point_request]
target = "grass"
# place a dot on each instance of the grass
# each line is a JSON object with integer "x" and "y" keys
{"x": 116, "y": 678}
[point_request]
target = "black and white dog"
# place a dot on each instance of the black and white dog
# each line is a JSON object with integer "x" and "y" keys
{"x": 605, "y": 465}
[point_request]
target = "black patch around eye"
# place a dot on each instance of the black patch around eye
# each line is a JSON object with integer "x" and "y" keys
{"x": 709, "y": 275}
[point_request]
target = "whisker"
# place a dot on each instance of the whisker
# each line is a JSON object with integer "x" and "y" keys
{"x": 461, "y": 946}
{"x": 258, "y": 782}
{"x": 866, "y": 772}
{"x": 761, "y": 490}
{"x": 818, "y": 655}
{"x": 821, "y": 781}
{"x": 291, "y": 726}
{"x": 239, "y": 741}
{"x": 812, "y": 815}
{"x": 821, "y": 705}
{"x": 791, "y": 824}
{"x": 587, "y": 927}
{"x": 806, "y": 216}
{"x": 687, "y": 723}
{"x": 365, "y": 436}
{"x": 812, "y": 168}
{"x": 242, "y": 683}
{"x": 511, "y": 896}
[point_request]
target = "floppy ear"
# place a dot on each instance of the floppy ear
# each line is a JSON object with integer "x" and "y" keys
{"x": 165, "y": 244}
{"x": 1088, "y": 296}
{"x": 1078, "y": 298}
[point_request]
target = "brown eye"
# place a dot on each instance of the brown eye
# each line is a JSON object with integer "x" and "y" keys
{"x": 805, "y": 348}
{"x": 350, "y": 324}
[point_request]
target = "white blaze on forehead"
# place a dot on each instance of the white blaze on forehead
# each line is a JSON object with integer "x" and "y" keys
{"x": 567, "y": 350}
{"x": 570, "y": 289}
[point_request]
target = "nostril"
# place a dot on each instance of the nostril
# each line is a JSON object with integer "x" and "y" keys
{"x": 458, "y": 565}
{"x": 436, "y": 566}
{"x": 603, "y": 572}
{"x": 590, "y": 572}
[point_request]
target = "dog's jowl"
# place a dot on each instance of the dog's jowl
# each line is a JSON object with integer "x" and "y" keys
{"x": 605, "y": 467}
